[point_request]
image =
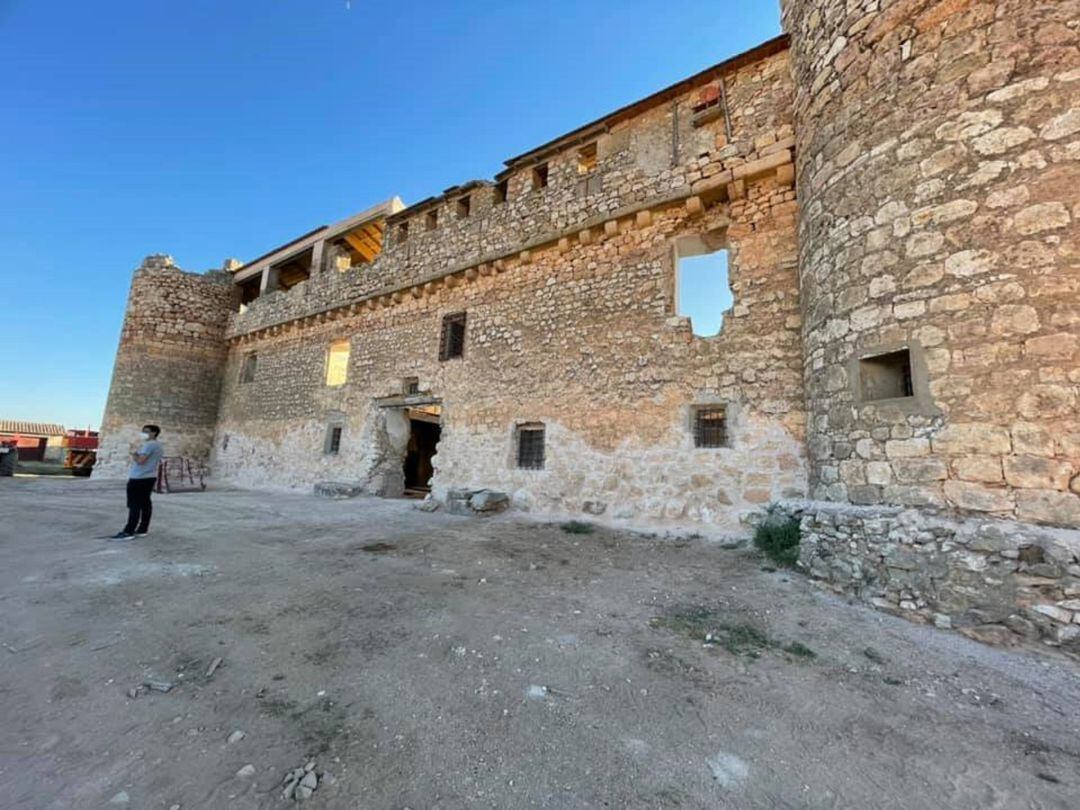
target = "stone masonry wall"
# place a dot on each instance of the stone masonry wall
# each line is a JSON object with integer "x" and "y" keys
{"x": 638, "y": 161}
{"x": 169, "y": 363}
{"x": 994, "y": 580}
{"x": 581, "y": 338}
{"x": 937, "y": 148}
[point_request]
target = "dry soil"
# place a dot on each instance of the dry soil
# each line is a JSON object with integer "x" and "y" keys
{"x": 434, "y": 661}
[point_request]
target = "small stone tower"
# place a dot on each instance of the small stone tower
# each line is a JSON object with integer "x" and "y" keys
{"x": 169, "y": 364}
{"x": 937, "y": 149}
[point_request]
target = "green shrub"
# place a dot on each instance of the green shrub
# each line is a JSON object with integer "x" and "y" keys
{"x": 578, "y": 527}
{"x": 779, "y": 540}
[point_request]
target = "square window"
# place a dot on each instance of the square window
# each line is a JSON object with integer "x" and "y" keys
{"x": 710, "y": 426}
{"x": 452, "y": 339}
{"x": 586, "y": 158}
{"x": 410, "y": 385}
{"x": 333, "y": 440}
{"x": 463, "y": 206}
{"x": 886, "y": 376}
{"x": 502, "y": 191}
{"x": 247, "y": 368}
{"x": 539, "y": 176}
{"x": 337, "y": 363}
{"x": 530, "y": 447}
{"x": 432, "y": 219}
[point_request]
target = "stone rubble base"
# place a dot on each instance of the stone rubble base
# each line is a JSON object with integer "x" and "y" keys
{"x": 999, "y": 581}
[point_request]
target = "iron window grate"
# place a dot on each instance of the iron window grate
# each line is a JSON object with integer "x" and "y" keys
{"x": 452, "y": 339}
{"x": 531, "y": 448}
{"x": 710, "y": 427}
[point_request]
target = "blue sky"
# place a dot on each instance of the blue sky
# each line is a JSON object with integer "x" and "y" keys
{"x": 208, "y": 129}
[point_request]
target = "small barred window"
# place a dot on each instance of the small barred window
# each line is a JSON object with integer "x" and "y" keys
{"x": 452, "y": 339}
{"x": 710, "y": 426}
{"x": 530, "y": 449}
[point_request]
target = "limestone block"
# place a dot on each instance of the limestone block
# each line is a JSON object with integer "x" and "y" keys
{"x": 1041, "y": 217}
{"x": 971, "y": 439}
{"x": 1042, "y": 506}
{"x": 977, "y": 497}
{"x": 979, "y": 468}
{"x": 1037, "y": 472}
{"x": 907, "y": 448}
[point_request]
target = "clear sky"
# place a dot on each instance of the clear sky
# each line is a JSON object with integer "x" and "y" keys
{"x": 208, "y": 129}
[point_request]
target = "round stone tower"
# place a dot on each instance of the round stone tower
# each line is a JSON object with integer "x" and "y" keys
{"x": 169, "y": 363}
{"x": 938, "y": 158}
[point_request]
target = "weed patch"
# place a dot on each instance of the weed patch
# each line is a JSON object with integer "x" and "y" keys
{"x": 713, "y": 629}
{"x": 779, "y": 541}
{"x": 578, "y": 527}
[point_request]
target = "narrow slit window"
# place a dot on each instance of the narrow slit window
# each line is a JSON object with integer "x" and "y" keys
{"x": 710, "y": 426}
{"x": 530, "y": 447}
{"x": 886, "y": 376}
{"x": 502, "y": 191}
{"x": 333, "y": 440}
{"x": 432, "y": 219}
{"x": 464, "y": 206}
{"x": 403, "y": 232}
{"x": 452, "y": 339}
{"x": 540, "y": 176}
{"x": 337, "y": 363}
{"x": 586, "y": 161}
{"x": 702, "y": 282}
{"x": 247, "y": 368}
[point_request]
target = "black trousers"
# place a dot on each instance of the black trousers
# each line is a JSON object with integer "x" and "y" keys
{"x": 138, "y": 502}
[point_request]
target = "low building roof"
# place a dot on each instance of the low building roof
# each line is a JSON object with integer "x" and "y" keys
{"x": 30, "y": 428}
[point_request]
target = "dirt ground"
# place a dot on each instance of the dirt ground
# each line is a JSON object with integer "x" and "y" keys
{"x": 434, "y": 661}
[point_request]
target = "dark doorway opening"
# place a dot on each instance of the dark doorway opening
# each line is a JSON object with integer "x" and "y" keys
{"x": 424, "y": 433}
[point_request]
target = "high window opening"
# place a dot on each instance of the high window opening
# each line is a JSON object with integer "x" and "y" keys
{"x": 403, "y": 232}
{"x": 432, "y": 219}
{"x": 452, "y": 338}
{"x": 502, "y": 191}
{"x": 249, "y": 291}
{"x": 530, "y": 446}
{"x": 292, "y": 271}
{"x": 886, "y": 376}
{"x": 247, "y": 368}
{"x": 709, "y": 423}
{"x": 702, "y": 282}
{"x": 337, "y": 363}
{"x": 463, "y": 206}
{"x": 539, "y": 176}
{"x": 586, "y": 158}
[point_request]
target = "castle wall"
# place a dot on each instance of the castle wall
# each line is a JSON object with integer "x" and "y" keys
{"x": 168, "y": 364}
{"x": 573, "y": 326}
{"x": 937, "y": 149}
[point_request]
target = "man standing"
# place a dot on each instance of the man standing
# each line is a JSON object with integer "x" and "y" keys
{"x": 144, "y": 465}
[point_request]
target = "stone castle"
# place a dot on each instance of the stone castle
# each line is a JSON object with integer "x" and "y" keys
{"x": 894, "y": 184}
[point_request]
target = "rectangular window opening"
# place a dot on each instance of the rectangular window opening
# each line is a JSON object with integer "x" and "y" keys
{"x": 702, "y": 282}
{"x": 432, "y": 219}
{"x": 247, "y": 368}
{"x": 586, "y": 158}
{"x": 463, "y": 206}
{"x": 452, "y": 338}
{"x": 502, "y": 191}
{"x": 530, "y": 447}
{"x": 333, "y": 440}
{"x": 410, "y": 385}
{"x": 710, "y": 426}
{"x": 337, "y": 363}
{"x": 886, "y": 376}
{"x": 403, "y": 232}
{"x": 539, "y": 176}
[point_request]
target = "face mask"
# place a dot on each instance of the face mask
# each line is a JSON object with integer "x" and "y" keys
{"x": 145, "y": 436}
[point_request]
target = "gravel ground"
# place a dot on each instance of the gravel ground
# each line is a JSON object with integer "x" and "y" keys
{"x": 433, "y": 661}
